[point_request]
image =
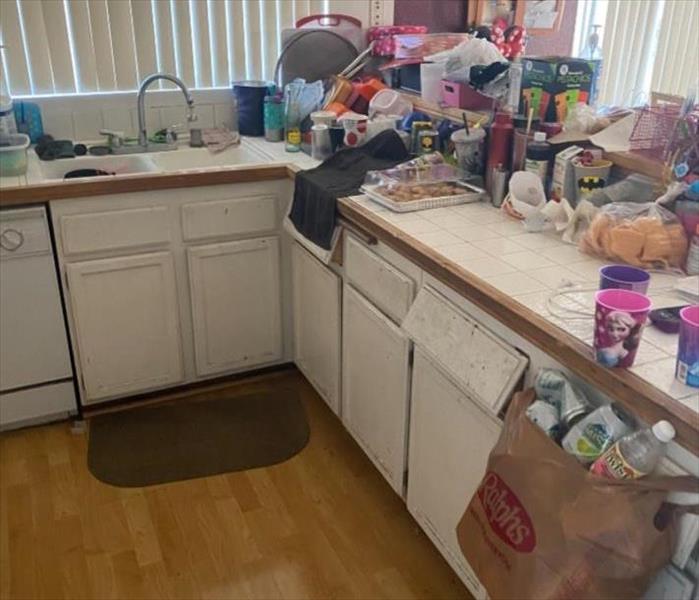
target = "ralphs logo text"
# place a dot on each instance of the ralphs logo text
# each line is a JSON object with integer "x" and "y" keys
{"x": 506, "y": 515}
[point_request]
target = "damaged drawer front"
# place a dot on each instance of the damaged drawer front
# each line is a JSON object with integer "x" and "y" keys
{"x": 230, "y": 217}
{"x": 387, "y": 287}
{"x": 477, "y": 361}
{"x": 115, "y": 230}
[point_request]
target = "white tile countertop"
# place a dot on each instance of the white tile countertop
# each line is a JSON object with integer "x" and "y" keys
{"x": 541, "y": 272}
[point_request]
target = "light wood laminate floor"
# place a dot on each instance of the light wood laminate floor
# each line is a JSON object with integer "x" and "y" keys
{"x": 321, "y": 525}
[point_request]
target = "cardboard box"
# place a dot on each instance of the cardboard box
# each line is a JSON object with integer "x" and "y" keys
{"x": 563, "y": 183}
{"x": 553, "y": 84}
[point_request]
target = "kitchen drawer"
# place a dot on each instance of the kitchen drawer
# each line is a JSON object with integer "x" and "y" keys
{"x": 23, "y": 232}
{"x": 37, "y": 404}
{"x": 387, "y": 287}
{"x": 114, "y": 230}
{"x": 234, "y": 216}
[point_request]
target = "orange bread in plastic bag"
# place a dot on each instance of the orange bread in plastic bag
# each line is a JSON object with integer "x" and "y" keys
{"x": 644, "y": 235}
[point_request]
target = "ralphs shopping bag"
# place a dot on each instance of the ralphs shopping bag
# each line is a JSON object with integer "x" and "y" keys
{"x": 541, "y": 526}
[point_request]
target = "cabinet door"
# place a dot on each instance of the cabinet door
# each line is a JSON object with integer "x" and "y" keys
{"x": 450, "y": 439}
{"x": 375, "y": 385}
{"x": 126, "y": 324}
{"x": 316, "y": 292}
{"x": 236, "y": 304}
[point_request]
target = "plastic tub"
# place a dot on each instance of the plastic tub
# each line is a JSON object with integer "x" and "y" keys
{"x": 13, "y": 155}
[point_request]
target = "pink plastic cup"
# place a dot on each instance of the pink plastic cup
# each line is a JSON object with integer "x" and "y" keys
{"x": 687, "y": 370}
{"x": 619, "y": 319}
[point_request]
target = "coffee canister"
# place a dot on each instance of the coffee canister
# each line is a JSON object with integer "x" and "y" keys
{"x": 251, "y": 102}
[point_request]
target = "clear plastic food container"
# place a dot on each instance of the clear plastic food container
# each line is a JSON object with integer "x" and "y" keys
{"x": 13, "y": 154}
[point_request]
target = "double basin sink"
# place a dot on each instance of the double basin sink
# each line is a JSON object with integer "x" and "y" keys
{"x": 157, "y": 162}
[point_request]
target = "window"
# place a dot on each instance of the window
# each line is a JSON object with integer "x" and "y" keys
{"x": 85, "y": 46}
{"x": 646, "y": 46}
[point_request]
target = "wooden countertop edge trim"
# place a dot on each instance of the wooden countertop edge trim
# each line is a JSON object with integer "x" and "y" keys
{"x": 636, "y": 394}
{"x": 45, "y": 192}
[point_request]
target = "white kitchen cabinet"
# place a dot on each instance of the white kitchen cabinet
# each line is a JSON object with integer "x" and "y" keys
{"x": 317, "y": 307}
{"x": 450, "y": 440}
{"x": 126, "y": 319}
{"x": 236, "y": 304}
{"x": 375, "y": 385}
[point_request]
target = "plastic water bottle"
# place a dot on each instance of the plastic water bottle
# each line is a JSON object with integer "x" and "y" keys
{"x": 636, "y": 454}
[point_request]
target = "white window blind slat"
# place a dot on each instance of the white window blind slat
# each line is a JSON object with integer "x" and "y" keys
{"x": 182, "y": 36}
{"x": 201, "y": 42}
{"x": 83, "y": 52}
{"x": 101, "y": 37}
{"x": 37, "y": 49}
{"x": 165, "y": 47}
{"x": 269, "y": 41}
{"x": 58, "y": 46}
{"x": 123, "y": 44}
{"x": 144, "y": 35}
{"x": 253, "y": 50}
{"x": 317, "y": 7}
{"x": 219, "y": 47}
{"x": 14, "y": 59}
{"x": 235, "y": 19}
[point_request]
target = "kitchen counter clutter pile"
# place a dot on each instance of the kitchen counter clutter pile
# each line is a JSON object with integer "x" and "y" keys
{"x": 421, "y": 259}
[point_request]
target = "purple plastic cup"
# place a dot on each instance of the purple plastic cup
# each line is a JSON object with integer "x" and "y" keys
{"x": 619, "y": 319}
{"x": 624, "y": 277}
{"x": 687, "y": 370}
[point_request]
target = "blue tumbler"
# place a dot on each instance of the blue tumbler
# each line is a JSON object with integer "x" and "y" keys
{"x": 251, "y": 102}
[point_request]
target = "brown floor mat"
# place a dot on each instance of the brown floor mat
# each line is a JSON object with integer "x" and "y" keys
{"x": 196, "y": 438}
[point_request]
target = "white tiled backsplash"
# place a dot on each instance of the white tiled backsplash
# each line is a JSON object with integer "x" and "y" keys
{"x": 80, "y": 118}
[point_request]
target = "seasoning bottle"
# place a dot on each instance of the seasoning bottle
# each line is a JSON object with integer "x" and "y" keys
{"x": 538, "y": 156}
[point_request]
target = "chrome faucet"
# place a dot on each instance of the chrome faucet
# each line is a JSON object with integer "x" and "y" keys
{"x": 141, "y": 107}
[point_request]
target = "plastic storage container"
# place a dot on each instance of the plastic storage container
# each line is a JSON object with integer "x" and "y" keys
{"x": 13, "y": 155}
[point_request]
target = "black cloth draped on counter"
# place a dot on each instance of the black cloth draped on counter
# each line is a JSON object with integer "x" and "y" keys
{"x": 316, "y": 191}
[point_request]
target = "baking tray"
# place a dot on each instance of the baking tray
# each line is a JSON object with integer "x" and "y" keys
{"x": 471, "y": 193}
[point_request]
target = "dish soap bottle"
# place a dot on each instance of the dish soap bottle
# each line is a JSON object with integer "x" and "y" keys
{"x": 636, "y": 454}
{"x": 538, "y": 156}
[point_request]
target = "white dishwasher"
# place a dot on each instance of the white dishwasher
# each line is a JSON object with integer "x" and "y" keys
{"x": 36, "y": 377}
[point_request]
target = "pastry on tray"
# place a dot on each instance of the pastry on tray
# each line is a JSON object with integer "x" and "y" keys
{"x": 408, "y": 193}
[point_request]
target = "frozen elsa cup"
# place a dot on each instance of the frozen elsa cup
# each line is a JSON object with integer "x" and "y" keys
{"x": 687, "y": 370}
{"x": 619, "y": 319}
{"x": 624, "y": 277}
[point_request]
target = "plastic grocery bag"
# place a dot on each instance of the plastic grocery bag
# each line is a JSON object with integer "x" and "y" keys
{"x": 645, "y": 235}
{"x": 541, "y": 526}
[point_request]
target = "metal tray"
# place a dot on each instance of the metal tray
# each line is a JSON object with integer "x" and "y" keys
{"x": 471, "y": 193}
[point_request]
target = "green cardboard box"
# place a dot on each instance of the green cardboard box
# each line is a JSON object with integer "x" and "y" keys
{"x": 554, "y": 84}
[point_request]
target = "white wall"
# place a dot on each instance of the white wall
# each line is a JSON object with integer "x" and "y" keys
{"x": 80, "y": 117}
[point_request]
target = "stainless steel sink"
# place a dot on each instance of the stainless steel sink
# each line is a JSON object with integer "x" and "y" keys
{"x": 111, "y": 165}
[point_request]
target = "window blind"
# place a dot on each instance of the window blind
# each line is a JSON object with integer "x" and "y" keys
{"x": 87, "y": 46}
{"x": 676, "y": 68}
{"x": 649, "y": 46}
